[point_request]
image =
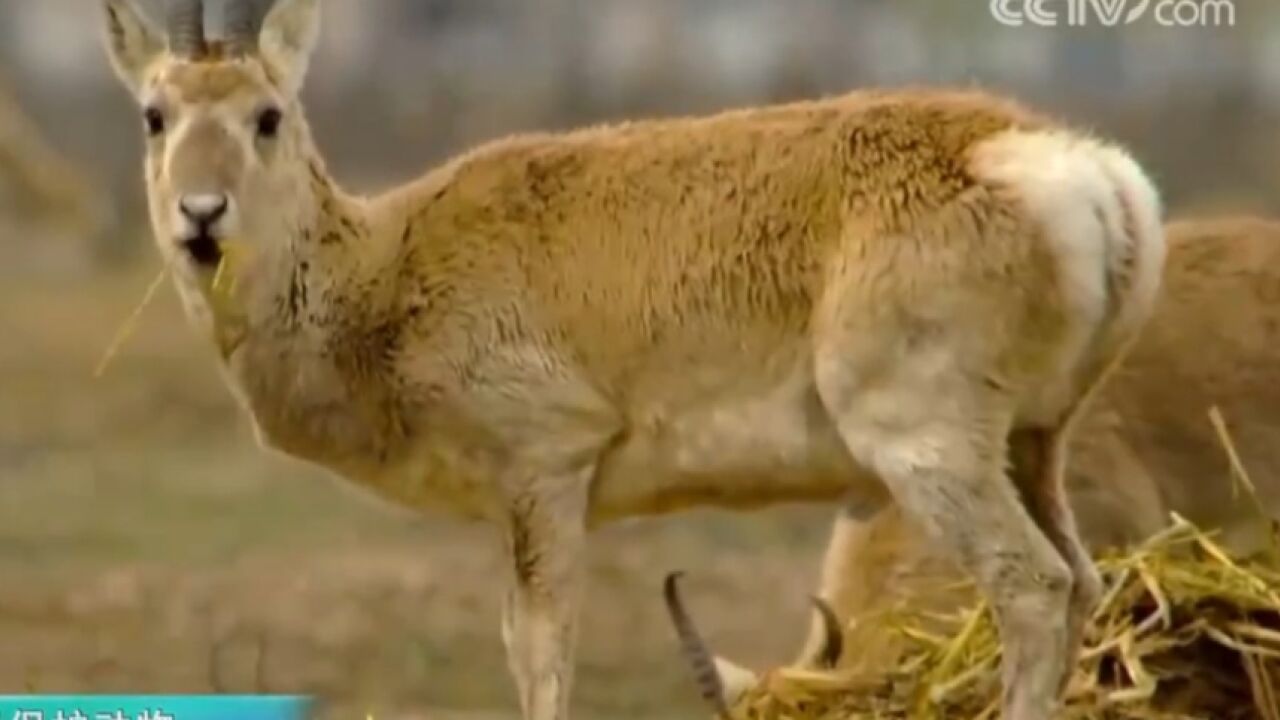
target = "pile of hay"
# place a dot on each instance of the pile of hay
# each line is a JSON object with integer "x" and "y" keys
{"x": 1183, "y": 632}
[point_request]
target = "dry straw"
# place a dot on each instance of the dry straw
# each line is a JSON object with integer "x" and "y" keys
{"x": 222, "y": 290}
{"x": 130, "y": 325}
{"x": 1184, "y": 631}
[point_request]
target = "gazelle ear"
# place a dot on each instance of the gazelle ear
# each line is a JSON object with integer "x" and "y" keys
{"x": 132, "y": 42}
{"x": 289, "y": 36}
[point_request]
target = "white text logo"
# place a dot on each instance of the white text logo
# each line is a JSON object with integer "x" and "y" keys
{"x": 1113, "y": 13}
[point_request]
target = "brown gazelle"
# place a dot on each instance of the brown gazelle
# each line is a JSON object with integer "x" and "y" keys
{"x": 1145, "y": 447}
{"x": 881, "y": 296}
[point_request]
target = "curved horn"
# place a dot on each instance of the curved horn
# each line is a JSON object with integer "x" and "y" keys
{"x": 243, "y": 25}
{"x": 833, "y": 637}
{"x": 184, "y": 22}
{"x": 694, "y": 648}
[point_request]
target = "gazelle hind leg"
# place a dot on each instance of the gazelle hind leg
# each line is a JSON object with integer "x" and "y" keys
{"x": 944, "y": 464}
{"x": 1038, "y": 468}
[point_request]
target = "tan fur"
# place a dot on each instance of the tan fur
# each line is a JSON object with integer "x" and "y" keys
{"x": 1145, "y": 449}
{"x": 852, "y": 298}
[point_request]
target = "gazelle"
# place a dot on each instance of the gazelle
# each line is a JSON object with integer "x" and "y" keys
{"x": 1144, "y": 448}
{"x": 882, "y": 296}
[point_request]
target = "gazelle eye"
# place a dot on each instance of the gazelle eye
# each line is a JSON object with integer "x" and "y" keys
{"x": 269, "y": 123}
{"x": 154, "y": 120}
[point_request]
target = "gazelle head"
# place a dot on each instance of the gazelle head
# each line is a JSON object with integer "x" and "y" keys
{"x": 720, "y": 682}
{"x": 229, "y": 157}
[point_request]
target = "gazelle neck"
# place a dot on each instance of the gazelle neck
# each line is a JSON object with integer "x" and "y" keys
{"x": 300, "y": 367}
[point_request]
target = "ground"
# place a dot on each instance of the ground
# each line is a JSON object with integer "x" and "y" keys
{"x": 148, "y": 545}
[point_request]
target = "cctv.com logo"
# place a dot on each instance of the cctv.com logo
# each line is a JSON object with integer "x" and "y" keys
{"x": 1113, "y": 13}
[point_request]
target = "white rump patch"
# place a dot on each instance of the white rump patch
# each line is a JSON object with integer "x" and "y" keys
{"x": 1102, "y": 216}
{"x": 1142, "y": 200}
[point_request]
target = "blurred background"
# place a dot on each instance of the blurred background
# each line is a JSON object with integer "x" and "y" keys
{"x": 146, "y": 544}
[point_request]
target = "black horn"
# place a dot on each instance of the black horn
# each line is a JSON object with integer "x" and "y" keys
{"x": 243, "y": 25}
{"x": 694, "y": 648}
{"x": 833, "y": 636}
{"x": 184, "y": 21}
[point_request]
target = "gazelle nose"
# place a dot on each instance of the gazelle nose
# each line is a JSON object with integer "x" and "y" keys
{"x": 204, "y": 209}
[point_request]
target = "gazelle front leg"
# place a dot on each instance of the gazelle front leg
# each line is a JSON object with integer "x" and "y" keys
{"x": 546, "y": 530}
